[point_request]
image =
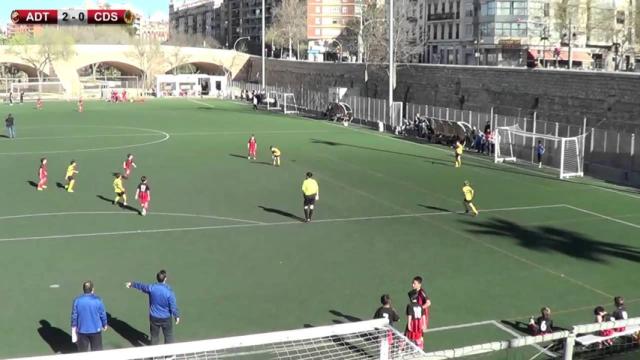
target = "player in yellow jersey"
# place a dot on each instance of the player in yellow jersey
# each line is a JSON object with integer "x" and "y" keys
{"x": 468, "y": 192}
{"x": 275, "y": 155}
{"x": 118, "y": 188}
{"x": 70, "y": 176}
{"x": 458, "y": 153}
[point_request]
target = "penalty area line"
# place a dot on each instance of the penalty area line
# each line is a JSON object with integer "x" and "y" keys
{"x": 256, "y": 224}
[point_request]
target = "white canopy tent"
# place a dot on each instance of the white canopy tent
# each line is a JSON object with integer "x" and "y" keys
{"x": 191, "y": 85}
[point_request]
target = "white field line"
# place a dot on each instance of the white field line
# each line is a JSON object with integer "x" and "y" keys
{"x": 603, "y": 216}
{"x": 82, "y": 136}
{"x": 253, "y": 224}
{"x": 201, "y": 103}
{"x": 461, "y": 326}
{"x": 518, "y": 335}
{"x": 124, "y": 212}
{"x": 252, "y": 132}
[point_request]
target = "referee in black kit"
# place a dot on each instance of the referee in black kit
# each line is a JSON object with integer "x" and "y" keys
{"x": 311, "y": 193}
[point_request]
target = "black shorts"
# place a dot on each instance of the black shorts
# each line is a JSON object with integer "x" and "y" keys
{"x": 120, "y": 193}
{"x": 467, "y": 201}
{"x": 309, "y": 199}
{"x": 69, "y": 178}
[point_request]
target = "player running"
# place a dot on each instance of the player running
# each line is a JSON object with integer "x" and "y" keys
{"x": 39, "y": 103}
{"x": 127, "y": 165}
{"x": 118, "y": 188}
{"x": 458, "y": 153}
{"x": 275, "y": 155}
{"x": 42, "y": 174}
{"x": 469, "y": 193}
{"x": 143, "y": 195}
{"x": 70, "y": 176}
{"x": 80, "y": 105}
{"x": 252, "y": 145}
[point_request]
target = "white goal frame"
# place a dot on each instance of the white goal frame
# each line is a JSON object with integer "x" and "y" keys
{"x": 513, "y": 144}
{"x": 285, "y": 102}
{"x": 292, "y": 344}
{"x": 39, "y": 90}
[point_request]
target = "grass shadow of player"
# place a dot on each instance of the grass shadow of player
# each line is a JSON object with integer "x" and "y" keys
{"x": 60, "y": 185}
{"x": 58, "y": 340}
{"x": 238, "y": 156}
{"x": 518, "y": 326}
{"x": 4, "y": 136}
{"x": 134, "y": 336}
{"x": 32, "y": 183}
{"x": 281, "y": 213}
{"x": 120, "y": 205}
{"x": 262, "y": 163}
{"x": 349, "y": 318}
{"x": 436, "y": 208}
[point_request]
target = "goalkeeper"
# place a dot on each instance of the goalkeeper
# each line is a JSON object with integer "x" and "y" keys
{"x": 469, "y": 193}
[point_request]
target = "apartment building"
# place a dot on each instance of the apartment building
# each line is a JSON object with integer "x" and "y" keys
{"x": 325, "y": 21}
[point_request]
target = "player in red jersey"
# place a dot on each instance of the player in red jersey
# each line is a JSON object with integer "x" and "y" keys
{"x": 127, "y": 165}
{"x": 42, "y": 174}
{"x": 39, "y": 104}
{"x": 124, "y": 95}
{"x": 80, "y": 105}
{"x": 252, "y": 145}
{"x": 143, "y": 195}
{"x": 414, "y": 320}
{"x": 423, "y": 300}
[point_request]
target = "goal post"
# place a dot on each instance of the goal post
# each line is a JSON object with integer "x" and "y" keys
{"x": 289, "y": 106}
{"x": 564, "y": 154}
{"x": 279, "y": 101}
{"x": 372, "y": 339}
{"x": 34, "y": 90}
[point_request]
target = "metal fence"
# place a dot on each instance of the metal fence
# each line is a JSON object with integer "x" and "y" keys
{"x": 608, "y": 154}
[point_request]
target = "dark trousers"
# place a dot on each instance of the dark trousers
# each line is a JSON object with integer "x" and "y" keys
{"x": 166, "y": 325}
{"x": 89, "y": 342}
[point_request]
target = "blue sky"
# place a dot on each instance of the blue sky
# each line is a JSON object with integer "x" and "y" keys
{"x": 150, "y": 8}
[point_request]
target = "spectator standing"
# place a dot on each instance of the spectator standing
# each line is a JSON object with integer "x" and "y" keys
{"x": 88, "y": 319}
{"x": 21, "y": 96}
{"x": 415, "y": 329}
{"x": 10, "y": 124}
{"x": 162, "y": 307}
{"x": 423, "y": 300}
{"x": 542, "y": 324}
{"x": 539, "y": 152}
{"x": 386, "y": 311}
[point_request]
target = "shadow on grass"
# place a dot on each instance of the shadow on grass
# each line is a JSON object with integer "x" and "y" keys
{"x": 435, "y": 208}
{"x": 32, "y": 183}
{"x": 281, "y": 213}
{"x": 60, "y": 185}
{"x": 58, "y": 340}
{"x": 134, "y": 336}
{"x": 239, "y": 156}
{"x": 518, "y": 326}
{"x": 548, "y": 238}
{"x": 4, "y": 136}
{"x": 262, "y": 163}
{"x": 343, "y": 317}
{"x": 120, "y": 205}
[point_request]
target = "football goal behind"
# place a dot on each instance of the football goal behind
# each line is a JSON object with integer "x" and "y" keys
{"x": 565, "y": 154}
{"x": 34, "y": 90}
{"x": 285, "y": 102}
{"x": 373, "y": 339}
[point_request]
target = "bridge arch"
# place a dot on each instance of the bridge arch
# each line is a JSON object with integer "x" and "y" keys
{"x": 202, "y": 67}
{"x": 125, "y": 68}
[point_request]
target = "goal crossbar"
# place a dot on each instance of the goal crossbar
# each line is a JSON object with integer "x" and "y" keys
{"x": 214, "y": 345}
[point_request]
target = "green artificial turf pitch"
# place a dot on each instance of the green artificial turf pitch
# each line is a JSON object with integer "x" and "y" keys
{"x": 227, "y": 229}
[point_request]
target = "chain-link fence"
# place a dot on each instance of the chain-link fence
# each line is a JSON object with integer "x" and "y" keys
{"x": 608, "y": 154}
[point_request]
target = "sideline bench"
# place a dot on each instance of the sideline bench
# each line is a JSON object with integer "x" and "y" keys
{"x": 591, "y": 339}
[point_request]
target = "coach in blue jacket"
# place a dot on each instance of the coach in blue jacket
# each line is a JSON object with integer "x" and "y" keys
{"x": 88, "y": 319}
{"x": 162, "y": 307}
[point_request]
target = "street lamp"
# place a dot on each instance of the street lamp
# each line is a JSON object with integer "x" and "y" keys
{"x": 240, "y": 38}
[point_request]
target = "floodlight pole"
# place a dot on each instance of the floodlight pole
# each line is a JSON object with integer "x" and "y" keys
{"x": 263, "y": 49}
{"x": 391, "y": 62}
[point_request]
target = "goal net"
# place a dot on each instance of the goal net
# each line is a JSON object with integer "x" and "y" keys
{"x": 34, "y": 90}
{"x": 373, "y": 339}
{"x": 564, "y": 154}
{"x": 285, "y": 102}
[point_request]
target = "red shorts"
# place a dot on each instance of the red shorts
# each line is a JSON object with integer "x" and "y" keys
{"x": 143, "y": 199}
{"x": 127, "y": 171}
{"x": 252, "y": 150}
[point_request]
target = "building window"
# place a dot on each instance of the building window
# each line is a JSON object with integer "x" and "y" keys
{"x": 428, "y": 10}
{"x": 468, "y": 30}
{"x": 318, "y": 21}
{"x": 317, "y": 32}
{"x": 503, "y": 8}
{"x": 442, "y": 8}
{"x": 468, "y": 11}
{"x": 344, "y": 9}
{"x": 435, "y": 32}
{"x": 421, "y": 10}
{"x": 441, "y": 31}
{"x": 450, "y": 31}
{"x": 451, "y": 7}
{"x": 519, "y": 8}
{"x": 317, "y": 9}
{"x": 334, "y": 21}
{"x": 546, "y": 9}
{"x": 457, "y": 31}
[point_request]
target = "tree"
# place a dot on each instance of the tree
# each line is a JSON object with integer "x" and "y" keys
{"x": 149, "y": 56}
{"x": 290, "y": 17}
{"x": 177, "y": 59}
{"x": 42, "y": 49}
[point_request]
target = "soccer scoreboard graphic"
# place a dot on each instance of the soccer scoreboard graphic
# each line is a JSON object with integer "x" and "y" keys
{"x": 73, "y": 17}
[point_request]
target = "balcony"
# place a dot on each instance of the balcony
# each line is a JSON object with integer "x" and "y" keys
{"x": 412, "y": 19}
{"x": 441, "y": 16}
